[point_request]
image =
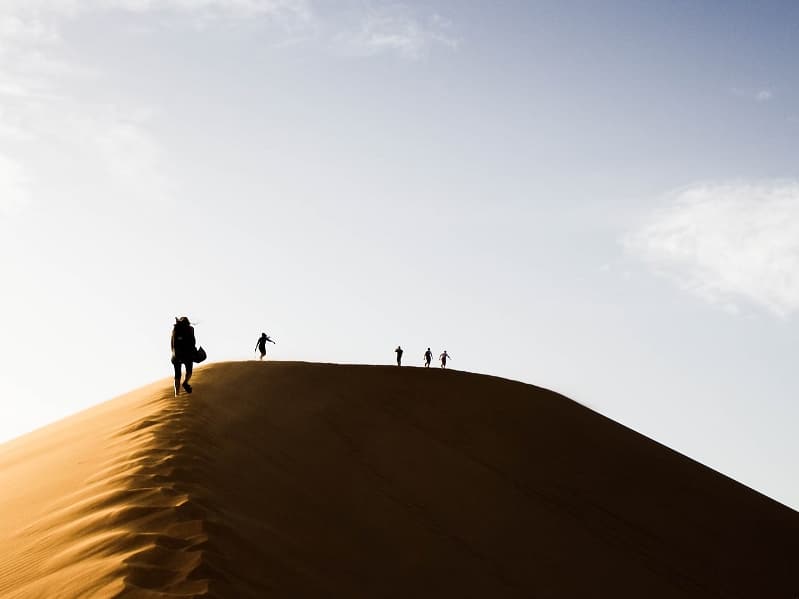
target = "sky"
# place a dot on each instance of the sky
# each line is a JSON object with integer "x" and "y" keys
{"x": 597, "y": 198}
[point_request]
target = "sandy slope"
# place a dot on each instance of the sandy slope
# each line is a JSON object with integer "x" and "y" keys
{"x": 310, "y": 480}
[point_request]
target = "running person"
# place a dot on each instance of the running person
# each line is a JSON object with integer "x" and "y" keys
{"x": 444, "y": 357}
{"x": 260, "y": 345}
{"x": 183, "y": 350}
{"x": 428, "y": 357}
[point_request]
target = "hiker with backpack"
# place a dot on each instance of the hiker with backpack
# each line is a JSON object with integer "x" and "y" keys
{"x": 428, "y": 357}
{"x": 184, "y": 351}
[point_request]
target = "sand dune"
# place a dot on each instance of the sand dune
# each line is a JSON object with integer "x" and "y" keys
{"x": 311, "y": 480}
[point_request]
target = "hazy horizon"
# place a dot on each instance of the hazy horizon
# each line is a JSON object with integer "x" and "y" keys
{"x": 602, "y": 201}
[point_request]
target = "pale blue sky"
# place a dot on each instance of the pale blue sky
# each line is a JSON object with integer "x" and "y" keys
{"x": 601, "y": 199}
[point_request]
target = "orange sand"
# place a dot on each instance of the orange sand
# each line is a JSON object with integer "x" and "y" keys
{"x": 313, "y": 480}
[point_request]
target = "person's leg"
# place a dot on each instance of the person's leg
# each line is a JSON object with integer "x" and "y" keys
{"x": 189, "y": 367}
{"x": 176, "y": 365}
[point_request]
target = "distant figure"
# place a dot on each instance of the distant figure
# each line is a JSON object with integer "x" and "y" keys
{"x": 183, "y": 351}
{"x": 444, "y": 357}
{"x": 428, "y": 357}
{"x": 260, "y": 345}
{"x": 398, "y": 351}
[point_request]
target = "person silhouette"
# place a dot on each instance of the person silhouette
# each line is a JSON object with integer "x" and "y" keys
{"x": 444, "y": 357}
{"x": 428, "y": 357}
{"x": 260, "y": 345}
{"x": 399, "y": 352}
{"x": 184, "y": 349}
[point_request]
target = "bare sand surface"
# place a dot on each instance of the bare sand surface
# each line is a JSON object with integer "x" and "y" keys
{"x": 315, "y": 480}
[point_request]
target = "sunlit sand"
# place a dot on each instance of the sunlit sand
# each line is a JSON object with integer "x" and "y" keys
{"x": 313, "y": 480}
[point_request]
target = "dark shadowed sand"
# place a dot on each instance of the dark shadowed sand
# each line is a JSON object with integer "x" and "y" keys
{"x": 314, "y": 480}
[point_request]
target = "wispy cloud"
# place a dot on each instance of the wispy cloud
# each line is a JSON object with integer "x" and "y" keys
{"x": 46, "y": 97}
{"x": 124, "y": 152}
{"x": 232, "y": 8}
{"x": 291, "y": 16}
{"x": 24, "y": 28}
{"x": 14, "y": 189}
{"x": 38, "y": 19}
{"x": 763, "y": 94}
{"x": 106, "y": 144}
{"x": 727, "y": 243}
{"x": 397, "y": 29}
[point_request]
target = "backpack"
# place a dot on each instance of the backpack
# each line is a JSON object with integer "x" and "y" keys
{"x": 183, "y": 338}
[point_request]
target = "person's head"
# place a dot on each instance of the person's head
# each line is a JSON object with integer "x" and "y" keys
{"x": 428, "y": 349}
{"x": 263, "y": 334}
{"x": 182, "y": 320}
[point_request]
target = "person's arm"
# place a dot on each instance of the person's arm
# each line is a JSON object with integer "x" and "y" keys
{"x": 269, "y": 339}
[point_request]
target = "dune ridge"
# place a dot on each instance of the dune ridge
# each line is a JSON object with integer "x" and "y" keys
{"x": 318, "y": 480}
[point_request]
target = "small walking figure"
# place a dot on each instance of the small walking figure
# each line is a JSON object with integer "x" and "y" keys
{"x": 260, "y": 345}
{"x": 398, "y": 351}
{"x": 183, "y": 351}
{"x": 428, "y": 357}
{"x": 444, "y": 357}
